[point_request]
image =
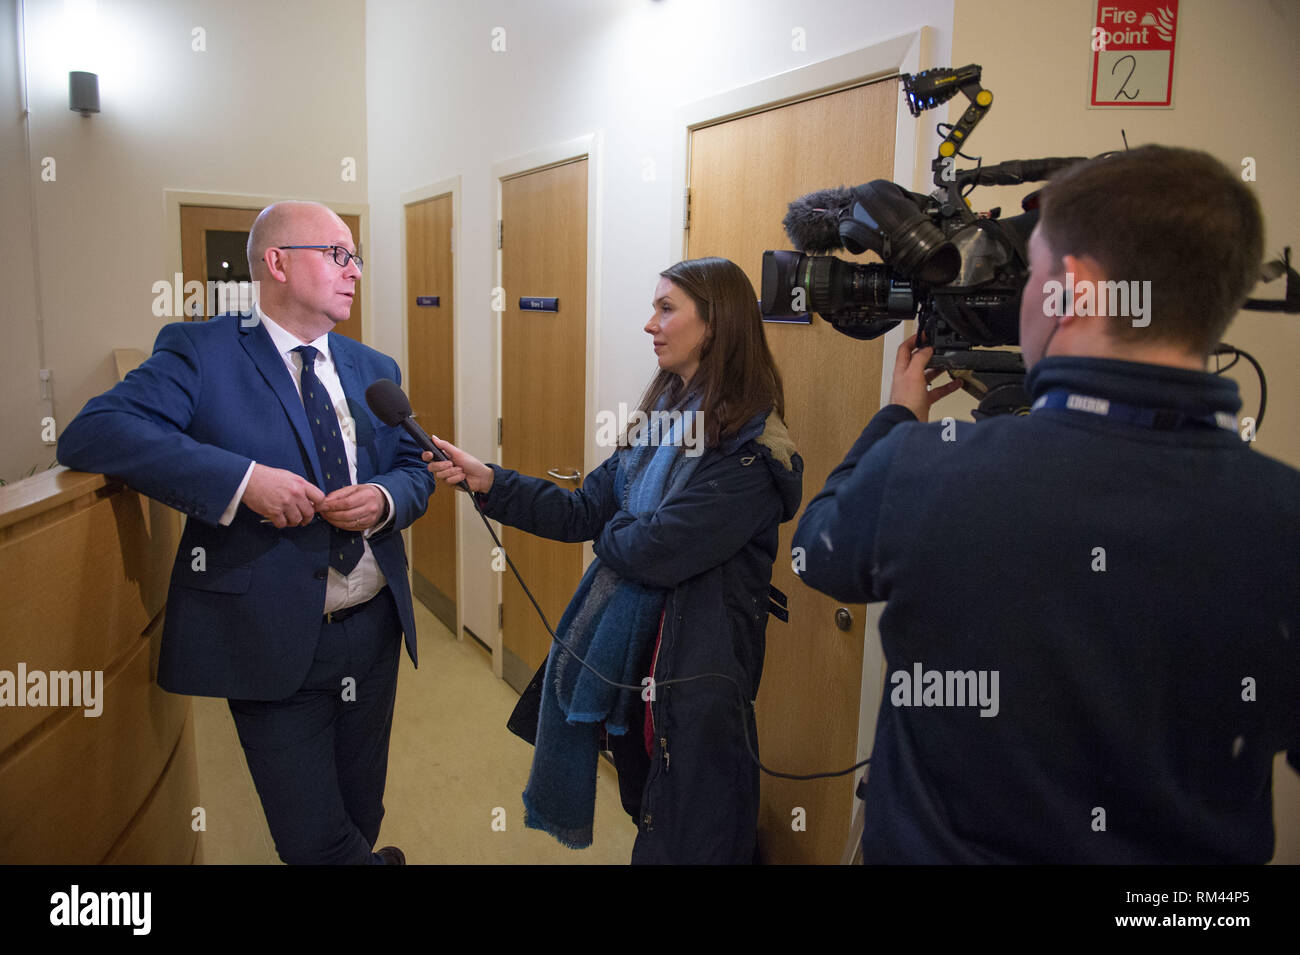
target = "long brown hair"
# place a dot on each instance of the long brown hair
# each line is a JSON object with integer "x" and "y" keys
{"x": 737, "y": 377}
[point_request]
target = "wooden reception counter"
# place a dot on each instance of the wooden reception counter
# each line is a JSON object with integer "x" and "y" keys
{"x": 97, "y": 764}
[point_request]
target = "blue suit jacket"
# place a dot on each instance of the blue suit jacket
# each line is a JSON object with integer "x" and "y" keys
{"x": 182, "y": 429}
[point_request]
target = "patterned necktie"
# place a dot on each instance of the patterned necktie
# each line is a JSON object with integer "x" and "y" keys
{"x": 346, "y": 547}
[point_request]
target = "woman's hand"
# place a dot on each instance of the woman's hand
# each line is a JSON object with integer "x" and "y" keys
{"x": 462, "y": 467}
{"x": 912, "y": 379}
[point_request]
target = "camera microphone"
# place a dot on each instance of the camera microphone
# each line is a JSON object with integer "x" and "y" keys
{"x": 813, "y": 221}
{"x": 390, "y": 405}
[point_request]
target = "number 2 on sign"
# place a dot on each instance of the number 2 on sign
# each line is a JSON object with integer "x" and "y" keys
{"x": 1132, "y": 66}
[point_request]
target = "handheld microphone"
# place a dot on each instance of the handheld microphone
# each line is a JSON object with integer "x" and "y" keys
{"x": 813, "y": 221}
{"x": 391, "y": 406}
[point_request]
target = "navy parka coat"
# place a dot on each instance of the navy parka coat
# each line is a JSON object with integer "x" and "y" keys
{"x": 711, "y": 546}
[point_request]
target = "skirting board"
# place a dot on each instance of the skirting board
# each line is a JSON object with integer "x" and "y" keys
{"x": 515, "y": 671}
{"x": 439, "y": 604}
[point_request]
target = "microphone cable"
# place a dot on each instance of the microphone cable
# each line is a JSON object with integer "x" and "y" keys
{"x": 746, "y": 707}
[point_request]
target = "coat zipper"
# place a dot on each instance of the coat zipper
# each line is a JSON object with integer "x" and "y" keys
{"x": 654, "y": 724}
{"x": 647, "y": 817}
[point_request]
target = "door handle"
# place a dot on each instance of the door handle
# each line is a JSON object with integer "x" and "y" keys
{"x": 843, "y": 618}
{"x": 564, "y": 477}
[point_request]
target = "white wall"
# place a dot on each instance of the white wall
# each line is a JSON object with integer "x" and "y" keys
{"x": 441, "y": 103}
{"x": 21, "y": 409}
{"x": 271, "y": 107}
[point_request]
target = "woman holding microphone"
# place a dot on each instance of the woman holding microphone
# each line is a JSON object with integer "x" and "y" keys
{"x": 684, "y": 545}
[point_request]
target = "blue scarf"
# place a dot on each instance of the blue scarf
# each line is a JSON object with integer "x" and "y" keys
{"x": 610, "y": 622}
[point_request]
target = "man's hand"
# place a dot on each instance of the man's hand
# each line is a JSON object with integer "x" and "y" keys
{"x": 282, "y": 497}
{"x": 462, "y": 467}
{"x": 353, "y": 508}
{"x": 911, "y": 387}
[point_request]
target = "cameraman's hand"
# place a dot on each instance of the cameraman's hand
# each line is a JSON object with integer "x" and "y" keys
{"x": 911, "y": 387}
{"x": 477, "y": 476}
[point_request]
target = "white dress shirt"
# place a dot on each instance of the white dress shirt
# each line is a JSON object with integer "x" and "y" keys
{"x": 366, "y": 578}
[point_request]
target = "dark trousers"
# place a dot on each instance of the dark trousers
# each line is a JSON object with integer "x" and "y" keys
{"x": 319, "y": 759}
{"x": 631, "y": 762}
{"x": 628, "y": 750}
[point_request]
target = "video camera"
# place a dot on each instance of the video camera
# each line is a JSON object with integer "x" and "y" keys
{"x": 958, "y": 273}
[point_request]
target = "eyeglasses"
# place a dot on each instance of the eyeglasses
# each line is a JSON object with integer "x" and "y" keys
{"x": 341, "y": 255}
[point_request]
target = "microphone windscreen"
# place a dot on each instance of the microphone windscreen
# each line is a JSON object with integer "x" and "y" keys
{"x": 388, "y": 402}
{"x": 813, "y": 221}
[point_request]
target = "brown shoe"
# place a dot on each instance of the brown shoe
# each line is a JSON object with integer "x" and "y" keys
{"x": 391, "y": 855}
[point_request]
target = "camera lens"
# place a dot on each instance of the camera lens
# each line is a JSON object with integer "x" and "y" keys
{"x": 846, "y": 293}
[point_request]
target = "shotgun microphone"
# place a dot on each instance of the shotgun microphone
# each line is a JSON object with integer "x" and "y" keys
{"x": 812, "y": 222}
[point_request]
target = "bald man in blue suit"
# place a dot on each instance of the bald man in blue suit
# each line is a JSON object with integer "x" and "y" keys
{"x": 289, "y": 595}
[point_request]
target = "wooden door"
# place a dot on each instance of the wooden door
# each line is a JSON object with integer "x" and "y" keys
{"x": 743, "y": 173}
{"x": 431, "y": 377}
{"x": 543, "y": 384}
{"x": 213, "y": 243}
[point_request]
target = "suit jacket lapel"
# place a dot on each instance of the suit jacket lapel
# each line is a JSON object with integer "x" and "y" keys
{"x": 354, "y": 390}
{"x": 257, "y": 343}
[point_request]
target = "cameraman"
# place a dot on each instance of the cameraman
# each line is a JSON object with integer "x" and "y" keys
{"x": 1093, "y": 618}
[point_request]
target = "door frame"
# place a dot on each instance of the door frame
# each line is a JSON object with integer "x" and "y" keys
{"x": 173, "y": 199}
{"x": 587, "y": 147}
{"x": 915, "y": 143}
{"x": 450, "y": 186}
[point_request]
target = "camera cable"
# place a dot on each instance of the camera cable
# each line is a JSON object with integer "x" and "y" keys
{"x": 746, "y": 706}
